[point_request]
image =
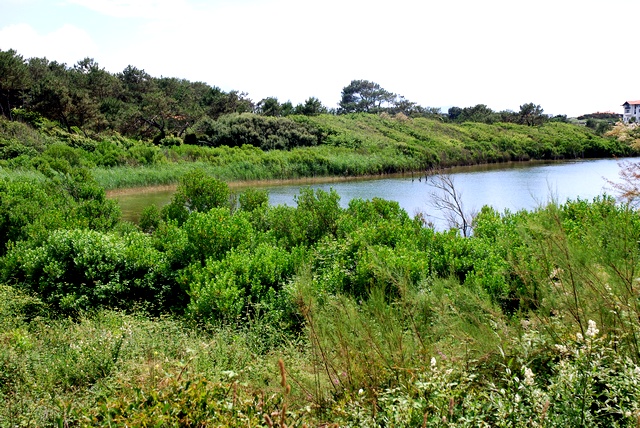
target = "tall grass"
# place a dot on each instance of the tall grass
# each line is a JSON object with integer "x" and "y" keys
{"x": 369, "y": 145}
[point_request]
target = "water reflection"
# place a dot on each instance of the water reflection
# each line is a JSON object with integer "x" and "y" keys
{"x": 513, "y": 187}
{"x": 505, "y": 186}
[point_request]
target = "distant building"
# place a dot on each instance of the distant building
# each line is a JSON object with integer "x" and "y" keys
{"x": 631, "y": 111}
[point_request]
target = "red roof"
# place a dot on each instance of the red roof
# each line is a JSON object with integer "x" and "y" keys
{"x": 632, "y": 102}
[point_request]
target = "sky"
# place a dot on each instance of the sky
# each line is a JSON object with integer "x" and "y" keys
{"x": 571, "y": 57}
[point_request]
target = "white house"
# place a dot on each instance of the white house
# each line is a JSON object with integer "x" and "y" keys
{"x": 631, "y": 111}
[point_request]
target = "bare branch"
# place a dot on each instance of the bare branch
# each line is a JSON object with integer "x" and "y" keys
{"x": 629, "y": 189}
{"x": 448, "y": 199}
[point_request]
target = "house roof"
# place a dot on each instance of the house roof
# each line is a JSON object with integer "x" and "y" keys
{"x": 632, "y": 102}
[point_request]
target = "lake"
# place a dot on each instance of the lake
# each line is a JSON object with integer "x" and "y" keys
{"x": 512, "y": 186}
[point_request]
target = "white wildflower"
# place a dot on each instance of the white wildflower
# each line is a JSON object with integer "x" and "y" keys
{"x": 528, "y": 376}
{"x": 360, "y": 391}
{"x": 579, "y": 337}
{"x": 592, "y": 331}
{"x": 433, "y": 362}
{"x": 562, "y": 349}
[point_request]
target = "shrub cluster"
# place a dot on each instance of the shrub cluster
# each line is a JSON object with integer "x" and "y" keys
{"x": 381, "y": 319}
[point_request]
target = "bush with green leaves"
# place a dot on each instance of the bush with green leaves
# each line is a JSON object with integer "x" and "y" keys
{"x": 315, "y": 216}
{"x": 79, "y": 270}
{"x": 211, "y": 234}
{"x": 252, "y": 199}
{"x": 243, "y": 282}
{"x": 268, "y": 133}
{"x": 196, "y": 192}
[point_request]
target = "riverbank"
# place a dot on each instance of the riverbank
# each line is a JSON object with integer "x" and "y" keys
{"x": 301, "y": 181}
{"x": 370, "y": 146}
{"x": 361, "y": 145}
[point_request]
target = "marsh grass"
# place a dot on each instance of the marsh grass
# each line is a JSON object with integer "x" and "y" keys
{"x": 359, "y": 145}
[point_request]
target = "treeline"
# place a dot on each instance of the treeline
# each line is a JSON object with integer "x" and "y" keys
{"x": 86, "y": 99}
{"x": 363, "y": 96}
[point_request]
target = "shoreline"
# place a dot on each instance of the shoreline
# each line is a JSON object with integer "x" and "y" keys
{"x": 239, "y": 184}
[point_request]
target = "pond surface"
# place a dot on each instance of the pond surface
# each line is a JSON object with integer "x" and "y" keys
{"x": 510, "y": 186}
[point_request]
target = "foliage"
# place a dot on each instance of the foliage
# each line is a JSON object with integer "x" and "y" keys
{"x": 253, "y": 199}
{"x": 196, "y": 193}
{"x": 78, "y": 270}
{"x": 363, "y": 96}
{"x": 243, "y": 281}
{"x": 381, "y": 320}
{"x": 267, "y": 133}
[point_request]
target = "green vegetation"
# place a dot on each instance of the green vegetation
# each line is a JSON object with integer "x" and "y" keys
{"x": 214, "y": 312}
{"x": 220, "y": 310}
{"x": 321, "y": 145}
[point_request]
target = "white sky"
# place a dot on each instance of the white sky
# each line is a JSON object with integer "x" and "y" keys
{"x": 571, "y": 57}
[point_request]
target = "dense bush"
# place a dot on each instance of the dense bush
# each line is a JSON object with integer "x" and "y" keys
{"x": 244, "y": 280}
{"x": 79, "y": 270}
{"x": 196, "y": 193}
{"x": 382, "y": 320}
{"x": 268, "y": 133}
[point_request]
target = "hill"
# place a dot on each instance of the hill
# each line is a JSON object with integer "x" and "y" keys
{"x": 253, "y": 147}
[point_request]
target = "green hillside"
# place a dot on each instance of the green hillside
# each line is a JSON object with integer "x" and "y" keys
{"x": 303, "y": 146}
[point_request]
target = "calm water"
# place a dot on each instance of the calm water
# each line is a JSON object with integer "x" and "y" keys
{"x": 505, "y": 186}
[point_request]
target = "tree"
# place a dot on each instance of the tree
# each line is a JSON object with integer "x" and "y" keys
{"x": 363, "y": 96}
{"x": 629, "y": 189}
{"x": 61, "y": 94}
{"x": 218, "y": 102}
{"x": 14, "y": 80}
{"x": 311, "y": 107}
{"x": 269, "y": 107}
{"x": 477, "y": 113}
{"x": 447, "y": 199}
{"x": 454, "y": 113}
{"x": 531, "y": 114}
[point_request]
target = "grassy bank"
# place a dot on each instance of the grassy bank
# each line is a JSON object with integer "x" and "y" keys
{"x": 351, "y": 145}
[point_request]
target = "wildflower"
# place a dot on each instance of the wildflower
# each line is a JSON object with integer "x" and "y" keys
{"x": 360, "y": 391}
{"x": 561, "y": 348}
{"x": 592, "y": 331}
{"x": 579, "y": 337}
{"x": 433, "y": 362}
{"x": 528, "y": 376}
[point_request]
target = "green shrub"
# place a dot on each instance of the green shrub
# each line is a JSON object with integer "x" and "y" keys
{"x": 223, "y": 290}
{"x": 267, "y": 133}
{"x": 213, "y": 233}
{"x": 197, "y": 192}
{"x": 79, "y": 270}
{"x": 252, "y": 199}
{"x": 150, "y": 219}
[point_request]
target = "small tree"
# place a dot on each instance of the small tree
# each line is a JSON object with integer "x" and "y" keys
{"x": 629, "y": 189}
{"x": 311, "y": 107}
{"x": 447, "y": 199}
{"x": 269, "y": 107}
{"x": 531, "y": 114}
{"x": 363, "y": 96}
